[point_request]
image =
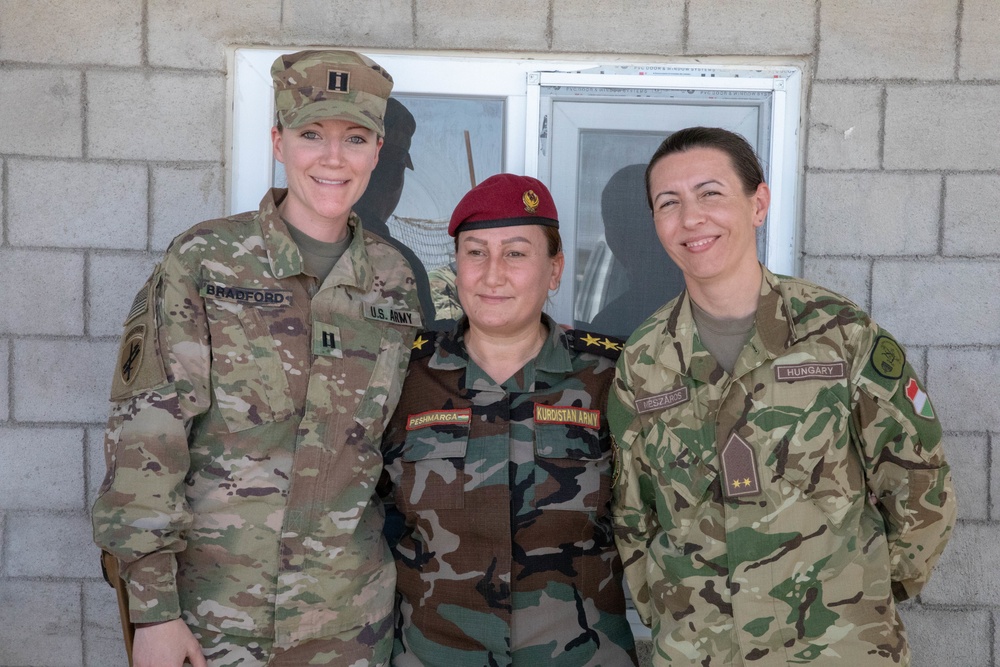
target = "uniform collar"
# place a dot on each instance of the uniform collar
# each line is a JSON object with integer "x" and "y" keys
{"x": 773, "y": 332}
{"x": 354, "y": 269}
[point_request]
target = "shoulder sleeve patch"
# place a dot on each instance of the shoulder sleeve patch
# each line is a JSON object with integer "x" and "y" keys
{"x": 887, "y": 357}
{"x": 138, "y": 366}
{"x": 423, "y": 345}
{"x": 595, "y": 343}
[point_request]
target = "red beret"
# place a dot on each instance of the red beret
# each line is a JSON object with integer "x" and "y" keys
{"x": 505, "y": 200}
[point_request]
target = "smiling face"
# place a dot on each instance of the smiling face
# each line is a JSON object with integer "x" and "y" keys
{"x": 328, "y": 164}
{"x": 704, "y": 218}
{"x": 503, "y": 277}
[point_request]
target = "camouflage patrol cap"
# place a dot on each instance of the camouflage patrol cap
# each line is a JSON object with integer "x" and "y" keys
{"x": 505, "y": 200}
{"x": 316, "y": 85}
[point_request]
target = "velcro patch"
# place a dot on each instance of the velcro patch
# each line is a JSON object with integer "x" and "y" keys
{"x": 247, "y": 295}
{"x": 384, "y": 313}
{"x": 739, "y": 468}
{"x": 338, "y": 82}
{"x": 563, "y": 414}
{"x": 835, "y": 370}
{"x": 668, "y": 399}
{"x": 888, "y": 358}
{"x": 130, "y": 356}
{"x": 139, "y": 304}
{"x": 326, "y": 340}
{"x": 461, "y": 417}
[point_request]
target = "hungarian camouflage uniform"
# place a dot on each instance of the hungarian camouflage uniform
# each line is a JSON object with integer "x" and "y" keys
{"x": 243, "y": 444}
{"x": 507, "y": 556}
{"x": 776, "y": 515}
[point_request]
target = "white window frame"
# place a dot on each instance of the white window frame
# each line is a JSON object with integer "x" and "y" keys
{"x": 518, "y": 80}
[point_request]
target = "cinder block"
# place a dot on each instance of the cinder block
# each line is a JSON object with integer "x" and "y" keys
{"x": 99, "y": 205}
{"x": 62, "y": 381}
{"x": 58, "y": 132}
{"x": 102, "y": 631}
{"x": 967, "y": 574}
{"x": 947, "y": 302}
{"x": 965, "y": 388}
{"x": 48, "y": 283}
{"x": 872, "y": 214}
{"x": 972, "y": 214}
{"x": 113, "y": 282}
{"x": 865, "y": 40}
{"x": 770, "y": 27}
{"x": 942, "y": 127}
{"x": 848, "y": 277}
{"x": 40, "y": 623}
{"x": 192, "y": 34}
{"x": 70, "y": 32}
{"x": 522, "y": 25}
{"x": 968, "y": 457}
{"x": 844, "y": 125}
{"x": 994, "y": 477}
{"x": 4, "y": 362}
{"x": 51, "y": 545}
{"x": 386, "y": 23}
{"x": 978, "y": 56}
{"x": 947, "y": 637}
{"x": 652, "y": 26}
{"x": 156, "y": 116}
{"x": 183, "y": 197}
{"x": 42, "y": 469}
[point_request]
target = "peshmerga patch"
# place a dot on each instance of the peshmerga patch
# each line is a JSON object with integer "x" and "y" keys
{"x": 327, "y": 341}
{"x": 921, "y": 403}
{"x": 564, "y": 414}
{"x": 888, "y": 358}
{"x": 460, "y": 417}
{"x": 739, "y": 468}
{"x": 250, "y": 296}
{"x": 834, "y": 370}
{"x": 669, "y": 399}
{"x": 386, "y": 313}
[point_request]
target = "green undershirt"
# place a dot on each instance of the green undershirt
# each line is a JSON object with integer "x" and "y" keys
{"x": 319, "y": 257}
{"x": 724, "y": 338}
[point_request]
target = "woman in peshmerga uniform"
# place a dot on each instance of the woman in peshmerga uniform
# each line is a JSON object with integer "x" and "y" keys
{"x": 499, "y": 461}
{"x": 258, "y": 368}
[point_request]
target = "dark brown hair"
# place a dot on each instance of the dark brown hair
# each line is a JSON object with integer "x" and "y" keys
{"x": 552, "y": 239}
{"x": 740, "y": 153}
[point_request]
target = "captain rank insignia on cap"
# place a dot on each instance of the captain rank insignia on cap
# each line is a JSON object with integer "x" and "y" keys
{"x": 338, "y": 82}
{"x": 739, "y": 468}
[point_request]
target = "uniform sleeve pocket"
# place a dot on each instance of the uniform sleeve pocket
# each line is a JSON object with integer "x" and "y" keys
{"x": 572, "y": 468}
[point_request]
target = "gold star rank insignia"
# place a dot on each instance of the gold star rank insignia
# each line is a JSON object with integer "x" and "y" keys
{"x": 590, "y": 340}
{"x": 419, "y": 342}
{"x": 610, "y": 344}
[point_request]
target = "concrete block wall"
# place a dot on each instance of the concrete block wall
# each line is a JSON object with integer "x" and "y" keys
{"x": 112, "y": 137}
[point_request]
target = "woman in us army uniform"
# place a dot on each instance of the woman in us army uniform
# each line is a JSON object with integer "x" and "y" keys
{"x": 258, "y": 368}
{"x": 499, "y": 461}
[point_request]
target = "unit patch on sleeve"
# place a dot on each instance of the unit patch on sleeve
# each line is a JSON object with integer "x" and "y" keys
{"x": 460, "y": 417}
{"x": 563, "y": 414}
{"x": 917, "y": 396}
{"x": 888, "y": 358}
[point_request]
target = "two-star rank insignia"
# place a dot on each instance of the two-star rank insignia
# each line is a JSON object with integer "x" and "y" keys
{"x": 585, "y": 341}
{"x": 739, "y": 468}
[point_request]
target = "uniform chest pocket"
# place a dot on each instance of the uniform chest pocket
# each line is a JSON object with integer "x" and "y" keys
{"x": 810, "y": 446}
{"x": 572, "y": 468}
{"x": 248, "y": 379}
{"x": 433, "y": 469}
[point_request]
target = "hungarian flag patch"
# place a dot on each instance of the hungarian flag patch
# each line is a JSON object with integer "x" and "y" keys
{"x": 921, "y": 404}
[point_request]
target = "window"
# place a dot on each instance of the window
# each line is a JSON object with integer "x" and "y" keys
{"x": 585, "y": 128}
{"x": 581, "y": 127}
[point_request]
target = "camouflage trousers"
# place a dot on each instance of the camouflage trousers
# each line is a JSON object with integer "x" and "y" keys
{"x": 367, "y": 646}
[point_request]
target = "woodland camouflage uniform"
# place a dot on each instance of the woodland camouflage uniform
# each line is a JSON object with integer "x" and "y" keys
{"x": 243, "y": 444}
{"x": 776, "y": 516}
{"x": 507, "y": 555}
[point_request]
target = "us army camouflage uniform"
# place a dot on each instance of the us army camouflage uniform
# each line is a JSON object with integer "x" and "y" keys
{"x": 507, "y": 556}
{"x": 242, "y": 447}
{"x": 842, "y": 510}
